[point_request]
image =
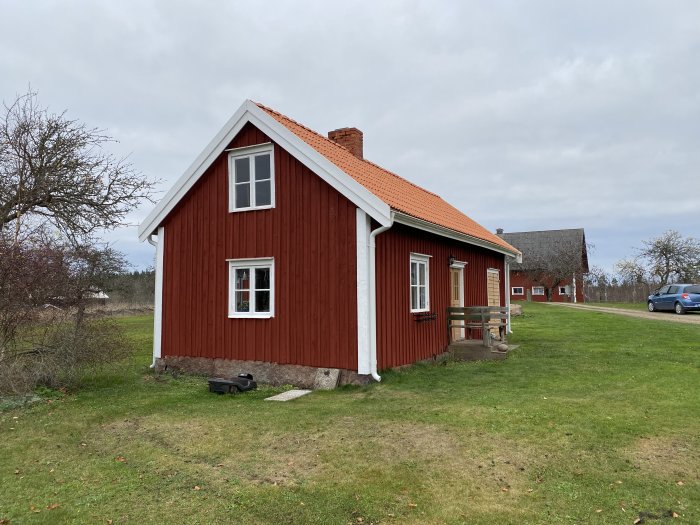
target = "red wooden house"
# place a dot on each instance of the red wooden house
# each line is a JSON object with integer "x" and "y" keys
{"x": 553, "y": 265}
{"x": 280, "y": 251}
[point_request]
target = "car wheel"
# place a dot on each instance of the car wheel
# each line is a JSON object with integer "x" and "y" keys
{"x": 679, "y": 309}
{"x": 651, "y": 306}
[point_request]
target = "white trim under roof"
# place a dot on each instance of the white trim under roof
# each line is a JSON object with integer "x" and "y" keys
{"x": 312, "y": 159}
{"x": 421, "y": 224}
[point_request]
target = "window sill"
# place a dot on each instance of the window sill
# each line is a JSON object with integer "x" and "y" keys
{"x": 250, "y": 316}
{"x": 252, "y": 208}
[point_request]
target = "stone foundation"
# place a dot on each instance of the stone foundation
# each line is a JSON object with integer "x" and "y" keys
{"x": 264, "y": 373}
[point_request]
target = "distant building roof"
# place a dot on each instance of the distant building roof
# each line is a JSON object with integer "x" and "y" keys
{"x": 538, "y": 245}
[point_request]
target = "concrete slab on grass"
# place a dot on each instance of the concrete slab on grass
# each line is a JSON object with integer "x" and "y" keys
{"x": 288, "y": 395}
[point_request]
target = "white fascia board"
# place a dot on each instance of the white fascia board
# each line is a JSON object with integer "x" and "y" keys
{"x": 321, "y": 166}
{"x": 430, "y": 227}
{"x": 194, "y": 172}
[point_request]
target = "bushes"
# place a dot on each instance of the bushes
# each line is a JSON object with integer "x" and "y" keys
{"x": 45, "y": 338}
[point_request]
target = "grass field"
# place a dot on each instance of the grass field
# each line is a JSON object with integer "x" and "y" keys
{"x": 626, "y": 306}
{"x": 594, "y": 419}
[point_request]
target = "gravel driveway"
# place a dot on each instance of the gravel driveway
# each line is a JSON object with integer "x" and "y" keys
{"x": 692, "y": 318}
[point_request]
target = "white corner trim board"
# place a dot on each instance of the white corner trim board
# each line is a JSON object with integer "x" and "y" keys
{"x": 363, "y": 309}
{"x": 312, "y": 159}
{"x": 158, "y": 299}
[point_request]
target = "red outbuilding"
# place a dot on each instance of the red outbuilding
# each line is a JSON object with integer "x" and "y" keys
{"x": 552, "y": 267}
{"x": 281, "y": 251}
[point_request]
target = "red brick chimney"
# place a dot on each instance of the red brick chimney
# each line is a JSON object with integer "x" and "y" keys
{"x": 351, "y": 138}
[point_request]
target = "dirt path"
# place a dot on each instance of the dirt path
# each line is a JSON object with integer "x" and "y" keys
{"x": 692, "y": 318}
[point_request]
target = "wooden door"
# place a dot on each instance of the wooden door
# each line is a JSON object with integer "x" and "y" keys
{"x": 493, "y": 289}
{"x": 456, "y": 297}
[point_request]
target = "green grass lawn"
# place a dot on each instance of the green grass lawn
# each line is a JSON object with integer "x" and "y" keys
{"x": 594, "y": 419}
{"x": 626, "y": 306}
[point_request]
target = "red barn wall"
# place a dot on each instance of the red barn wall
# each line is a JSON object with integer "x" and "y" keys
{"x": 400, "y": 338}
{"x": 311, "y": 235}
{"x": 519, "y": 279}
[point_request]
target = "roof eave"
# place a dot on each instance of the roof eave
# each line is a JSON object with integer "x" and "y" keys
{"x": 415, "y": 222}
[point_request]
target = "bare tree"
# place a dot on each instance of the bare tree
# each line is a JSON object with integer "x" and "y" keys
{"x": 555, "y": 266}
{"x": 633, "y": 275}
{"x": 55, "y": 175}
{"x": 672, "y": 257}
{"x": 54, "y": 168}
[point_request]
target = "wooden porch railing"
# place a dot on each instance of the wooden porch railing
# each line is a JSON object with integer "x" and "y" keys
{"x": 483, "y": 318}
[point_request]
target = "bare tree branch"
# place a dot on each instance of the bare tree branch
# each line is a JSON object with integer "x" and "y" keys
{"x": 56, "y": 168}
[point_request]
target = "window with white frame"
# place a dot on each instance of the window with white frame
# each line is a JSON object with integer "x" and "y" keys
{"x": 420, "y": 282}
{"x": 251, "y": 178}
{"x": 517, "y": 290}
{"x": 563, "y": 290}
{"x": 251, "y": 288}
{"x": 538, "y": 290}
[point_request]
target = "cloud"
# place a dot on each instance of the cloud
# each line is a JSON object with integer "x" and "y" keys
{"x": 529, "y": 115}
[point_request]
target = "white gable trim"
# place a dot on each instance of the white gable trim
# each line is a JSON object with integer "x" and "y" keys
{"x": 321, "y": 166}
{"x": 420, "y": 224}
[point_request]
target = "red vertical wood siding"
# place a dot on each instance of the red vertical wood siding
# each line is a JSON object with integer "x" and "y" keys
{"x": 311, "y": 234}
{"x": 400, "y": 339}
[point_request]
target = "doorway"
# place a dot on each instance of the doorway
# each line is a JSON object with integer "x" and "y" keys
{"x": 457, "y": 295}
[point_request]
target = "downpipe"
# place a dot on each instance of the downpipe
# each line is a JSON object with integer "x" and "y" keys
{"x": 373, "y": 301}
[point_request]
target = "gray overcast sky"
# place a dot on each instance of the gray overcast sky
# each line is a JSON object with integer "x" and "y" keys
{"x": 525, "y": 115}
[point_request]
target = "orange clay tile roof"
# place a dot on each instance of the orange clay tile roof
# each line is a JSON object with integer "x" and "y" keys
{"x": 400, "y": 194}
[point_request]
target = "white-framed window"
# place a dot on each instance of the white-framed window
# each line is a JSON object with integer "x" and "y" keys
{"x": 563, "y": 290}
{"x": 517, "y": 290}
{"x": 251, "y": 288}
{"x": 251, "y": 178}
{"x": 420, "y": 282}
{"x": 538, "y": 290}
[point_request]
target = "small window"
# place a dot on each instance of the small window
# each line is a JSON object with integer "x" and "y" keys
{"x": 693, "y": 289}
{"x": 664, "y": 290}
{"x": 563, "y": 290}
{"x": 251, "y": 288}
{"x": 673, "y": 289}
{"x": 251, "y": 178}
{"x": 538, "y": 290}
{"x": 517, "y": 290}
{"x": 420, "y": 283}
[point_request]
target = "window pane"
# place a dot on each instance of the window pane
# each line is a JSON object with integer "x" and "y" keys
{"x": 421, "y": 274}
{"x": 262, "y": 301}
{"x": 262, "y": 279}
{"x": 414, "y": 298}
{"x": 242, "y": 301}
{"x": 422, "y": 298}
{"x": 242, "y": 279}
{"x": 414, "y": 274}
{"x": 242, "y": 195}
{"x": 262, "y": 193}
{"x": 262, "y": 167}
{"x": 242, "y": 170}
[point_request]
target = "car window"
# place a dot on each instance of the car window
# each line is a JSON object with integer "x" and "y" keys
{"x": 693, "y": 289}
{"x": 664, "y": 289}
{"x": 673, "y": 289}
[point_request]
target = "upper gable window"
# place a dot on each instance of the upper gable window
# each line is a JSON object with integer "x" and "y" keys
{"x": 251, "y": 178}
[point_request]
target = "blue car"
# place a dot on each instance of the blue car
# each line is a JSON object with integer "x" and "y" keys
{"x": 680, "y": 298}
